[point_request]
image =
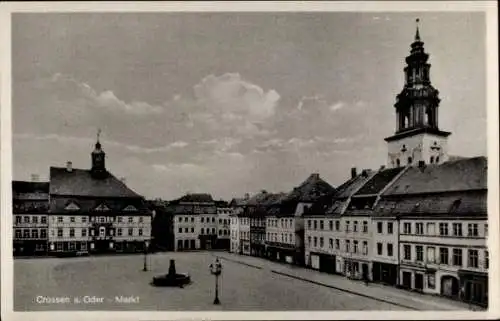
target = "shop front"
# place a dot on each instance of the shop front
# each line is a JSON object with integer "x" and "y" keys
{"x": 474, "y": 287}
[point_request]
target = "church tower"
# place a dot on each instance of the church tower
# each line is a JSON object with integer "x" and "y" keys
{"x": 417, "y": 137}
{"x": 98, "y": 159}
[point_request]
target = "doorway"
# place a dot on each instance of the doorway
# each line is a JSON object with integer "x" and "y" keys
{"x": 419, "y": 281}
{"x": 406, "y": 280}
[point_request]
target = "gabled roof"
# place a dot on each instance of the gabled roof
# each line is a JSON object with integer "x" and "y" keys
{"x": 80, "y": 182}
{"x": 459, "y": 175}
{"x": 350, "y": 187}
{"x": 379, "y": 181}
{"x": 310, "y": 190}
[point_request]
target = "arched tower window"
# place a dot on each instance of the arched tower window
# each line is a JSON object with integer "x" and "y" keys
{"x": 437, "y": 159}
{"x": 410, "y": 160}
{"x": 432, "y": 159}
{"x": 398, "y": 162}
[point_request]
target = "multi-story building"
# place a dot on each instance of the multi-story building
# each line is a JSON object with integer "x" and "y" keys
{"x": 443, "y": 228}
{"x": 195, "y": 222}
{"x": 285, "y": 222}
{"x": 237, "y": 206}
{"x": 326, "y": 242}
{"x": 162, "y": 226}
{"x": 30, "y": 208}
{"x": 244, "y": 225}
{"x": 92, "y": 210}
{"x": 223, "y": 225}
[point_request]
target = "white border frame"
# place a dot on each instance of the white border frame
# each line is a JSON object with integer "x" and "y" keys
{"x": 489, "y": 7}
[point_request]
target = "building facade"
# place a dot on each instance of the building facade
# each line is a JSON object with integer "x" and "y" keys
{"x": 31, "y": 209}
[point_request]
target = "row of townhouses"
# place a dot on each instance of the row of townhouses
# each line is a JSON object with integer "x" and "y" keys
{"x": 79, "y": 211}
{"x": 419, "y": 222}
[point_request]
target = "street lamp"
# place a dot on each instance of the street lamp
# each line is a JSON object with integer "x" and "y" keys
{"x": 145, "y": 268}
{"x": 216, "y": 269}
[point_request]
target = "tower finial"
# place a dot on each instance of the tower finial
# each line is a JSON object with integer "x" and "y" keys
{"x": 98, "y": 134}
{"x": 417, "y": 35}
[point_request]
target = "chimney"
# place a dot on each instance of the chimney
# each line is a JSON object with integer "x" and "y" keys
{"x": 315, "y": 175}
{"x": 263, "y": 191}
{"x": 69, "y": 166}
{"x": 365, "y": 172}
{"x": 353, "y": 172}
{"x": 34, "y": 177}
{"x": 123, "y": 180}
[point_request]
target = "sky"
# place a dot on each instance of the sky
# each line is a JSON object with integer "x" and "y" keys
{"x": 233, "y": 103}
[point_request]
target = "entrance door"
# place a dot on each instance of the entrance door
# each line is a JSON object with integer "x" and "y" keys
{"x": 419, "y": 281}
{"x": 407, "y": 280}
{"x": 449, "y": 286}
{"x": 364, "y": 273}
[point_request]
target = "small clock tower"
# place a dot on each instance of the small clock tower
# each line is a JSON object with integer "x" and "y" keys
{"x": 98, "y": 159}
{"x": 417, "y": 137}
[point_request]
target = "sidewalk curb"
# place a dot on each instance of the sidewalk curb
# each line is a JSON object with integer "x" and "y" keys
{"x": 345, "y": 290}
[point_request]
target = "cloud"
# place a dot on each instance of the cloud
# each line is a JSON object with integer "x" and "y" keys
{"x": 105, "y": 99}
{"x": 337, "y": 106}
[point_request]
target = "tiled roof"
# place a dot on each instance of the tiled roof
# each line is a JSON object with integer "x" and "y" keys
{"x": 457, "y": 203}
{"x": 379, "y": 181}
{"x": 310, "y": 190}
{"x": 352, "y": 185}
{"x": 80, "y": 182}
{"x": 58, "y": 205}
{"x": 238, "y": 202}
{"x": 321, "y": 206}
{"x": 30, "y": 187}
{"x": 197, "y": 198}
{"x": 459, "y": 175}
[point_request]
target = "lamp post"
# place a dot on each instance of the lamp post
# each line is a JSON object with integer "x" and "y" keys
{"x": 216, "y": 269}
{"x": 145, "y": 268}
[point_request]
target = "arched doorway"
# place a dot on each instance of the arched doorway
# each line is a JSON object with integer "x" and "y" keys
{"x": 449, "y": 286}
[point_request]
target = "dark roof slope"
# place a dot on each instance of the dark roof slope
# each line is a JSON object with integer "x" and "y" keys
{"x": 352, "y": 185}
{"x": 80, "y": 182}
{"x": 379, "y": 181}
{"x": 460, "y": 175}
{"x": 310, "y": 190}
{"x": 29, "y": 187}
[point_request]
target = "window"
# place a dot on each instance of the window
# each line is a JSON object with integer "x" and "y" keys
{"x": 192, "y": 230}
{"x": 84, "y": 219}
{"x": 19, "y": 234}
{"x": 431, "y": 229}
{"x": 407, "y": 228}
{"x": 202, "y": 219}
{"x": 355, "y": 226}
{"x": 379, "y": 248}
{"x": 315, "y": 224}
{"x": 309, "y": 224}
{"x": 186, "y": 230}
{"x": 365, "y": 247}
{"x": 213, "y": 230}
{"x": 71, "y": 232}
{"x": 220, "y": 221}
{"x": 321, "y": 242}
{"x": 180, "y": 229}
{"x": 141, "y": 219}
{"x": 389, "y": 249}
{"x": 192, "y": 219}
{"x": 44, "y": 220}
{"x": 379, "y": 227}
{"x": 321, "y": 225}
{"x": 213, "y": 219}
{"x": 140, "y": 232}
{"x": 220, "y": 232}
{"x": 337, "y": 244}
{"x": 202, "y": 230}
{"x": 355, "y": 246}
{"x": 389, "y": 228}
{"x": 43, "y": 234}
{"x": 472, "y": 229}
{"x": 485, "y": 229}
{"x": 486, "y": 260}
{"x": 308, "y": 240}
{"x": 347, "y": 246}
{"x": 420, "y": 253}
{"x": 365, "y": 227}
{"x": 420, "y": 228}
{"x": 337, "y": 225}
{"x": 330, "y": 225}
{"x": 18, "y": 219}
{"x": 130, "y": 219}
{"x": 59, "y": 219}
{"x": 130, "y": 231}
{"x": 443, "y": 229}
{"x": 431, "y": 254}
{"x": 26, "y": 219}
{"x": 35, "y": 219}
{"x": 103, "y": 220}
{"x": 34, "y": 233}
{"x": 59, "y": 232}
{"x": 457, "y": 229}
{"x": 407, "y": 252}
{"x": 315, "y": 241}
{"x": 457, "y": 257}
{"x": 347, "y": 226}
{"x": 330, "y": 243}
{"x": 473, "y": 258}
{"x": 84, "y": 232}
{"x": 180, "y": 219}
{"x": 71, "y": 246}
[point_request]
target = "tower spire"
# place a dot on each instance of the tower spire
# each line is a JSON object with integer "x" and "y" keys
{"x": 417, "y": 34}
{"x": 98, "y": 134}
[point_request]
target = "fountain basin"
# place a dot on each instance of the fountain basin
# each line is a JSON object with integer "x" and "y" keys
{"x": 178, "y": 279}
